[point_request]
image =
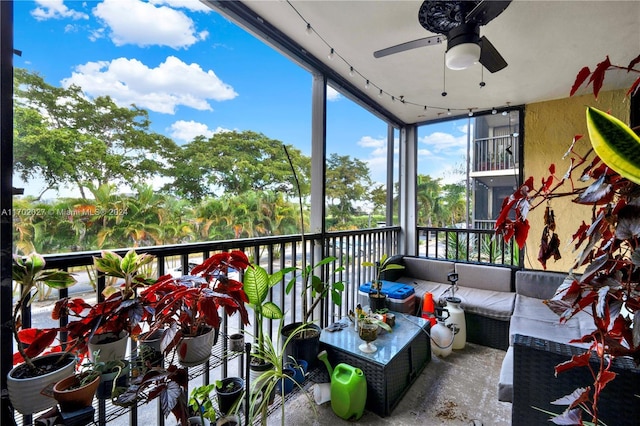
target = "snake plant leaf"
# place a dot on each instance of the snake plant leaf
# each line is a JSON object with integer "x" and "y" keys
{"x": 615, "y": 143}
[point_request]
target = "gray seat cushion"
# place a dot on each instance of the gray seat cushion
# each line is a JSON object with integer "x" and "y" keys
{"x": 487, "y": 303}
{"x": 505, "y": 383}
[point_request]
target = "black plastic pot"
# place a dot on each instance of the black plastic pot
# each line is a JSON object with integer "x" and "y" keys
{"x": 377, "y": 301}
{"x": 304, "y": 345}
{"x": 106, "y": 381}
{"x": 227, "y": 399}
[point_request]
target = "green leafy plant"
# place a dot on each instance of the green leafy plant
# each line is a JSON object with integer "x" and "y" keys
{"x": 381, "y": 266}
{"x": 200, "y": 402}
{"x": 29, "y": 272}
{"x": 129, "y": 268}
{"x": 265, "y": 384}
{"x": 314, "y": 288}
{"x": 257, "y": 282}
{"x": 607, "y": 248}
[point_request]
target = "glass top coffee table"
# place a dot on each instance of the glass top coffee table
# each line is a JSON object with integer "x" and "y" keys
{"x": 390, "y": 371}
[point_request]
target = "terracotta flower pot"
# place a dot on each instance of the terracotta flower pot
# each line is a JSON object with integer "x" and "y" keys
{"x": 72, "y": 398}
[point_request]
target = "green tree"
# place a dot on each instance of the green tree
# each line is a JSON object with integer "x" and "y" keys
{"x": 235, "y": 163}
{"x": 69, "y": 139}
{"x": 429, "y": 201}
{"x": 347, "y": 182}
{"x": 455, "y": 201}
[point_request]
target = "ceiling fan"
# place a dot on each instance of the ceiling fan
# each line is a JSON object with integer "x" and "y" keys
{"x": 459, "y": 23}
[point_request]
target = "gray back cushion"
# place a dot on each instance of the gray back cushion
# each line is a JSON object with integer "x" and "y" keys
{"x": 538, "y": 284}
{"x": 427, "y": 269}
{"x": 484, "y": 277}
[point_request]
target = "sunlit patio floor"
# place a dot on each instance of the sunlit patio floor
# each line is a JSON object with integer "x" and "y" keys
{"x": 458, "y": 390}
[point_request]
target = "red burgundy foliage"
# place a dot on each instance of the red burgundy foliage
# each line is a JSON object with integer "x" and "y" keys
{"x": 607, "y": 248}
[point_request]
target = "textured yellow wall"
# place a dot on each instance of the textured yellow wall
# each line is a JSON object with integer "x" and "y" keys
{"x": 549, "y": 129}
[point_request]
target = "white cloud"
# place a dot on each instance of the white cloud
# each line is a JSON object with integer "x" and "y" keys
{"x": 188, "y": 130}
{"x": 161, "y": 89}
{"x": 144, "y": 24}
{"x": 378, "y": 146}
{"x": 332, "y": 94}
{"x": 193, "y": 5}
{"x": 444, "y": 142}
{"x": 55, "y": 9}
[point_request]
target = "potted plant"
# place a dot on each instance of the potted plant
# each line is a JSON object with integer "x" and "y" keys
{"x": 378, "y": 299}
{"x": 257, "y": 282}
{"x": 169, "y": 384}
{"x": 273, "y": 353}
{"x": 26, "y": 380}
{"x": 306, "y": 339}
{"x": 76, "y": 391}
{"x": 113, "y": 374}
{"x": 201, "y": 405}
{"x": 607, "y": 247}
{"x": 186, "y": 307}
{"x": 104, "y": 326}
{"x": 229, "y": 392}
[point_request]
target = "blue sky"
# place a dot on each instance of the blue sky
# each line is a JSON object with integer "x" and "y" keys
{"x": 197, "y": 73}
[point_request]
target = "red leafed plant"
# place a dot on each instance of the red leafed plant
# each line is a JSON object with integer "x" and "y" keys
{"x": 29, "y": 271}
{"x": 608, "y": 249}
{"x": 188, "y": 305}
{"x": 168, "y": 384}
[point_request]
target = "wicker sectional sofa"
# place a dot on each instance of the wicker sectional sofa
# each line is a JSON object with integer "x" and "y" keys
{"x": 504, "y": 309}
{"x": 486, "y": 294}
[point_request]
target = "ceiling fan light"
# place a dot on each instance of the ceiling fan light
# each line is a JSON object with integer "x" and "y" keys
{"x": 462, "y": 56}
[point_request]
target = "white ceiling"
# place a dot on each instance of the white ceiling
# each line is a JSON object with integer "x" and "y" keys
{"x": 545, "y": 44}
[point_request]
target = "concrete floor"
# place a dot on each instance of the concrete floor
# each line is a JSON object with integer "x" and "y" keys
{"x": 458, "y": 390}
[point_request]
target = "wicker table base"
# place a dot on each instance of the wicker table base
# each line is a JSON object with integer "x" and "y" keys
{"x": 390, "y": 371}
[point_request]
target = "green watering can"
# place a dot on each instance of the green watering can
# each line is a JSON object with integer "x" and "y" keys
{"x": 348, "y": 389}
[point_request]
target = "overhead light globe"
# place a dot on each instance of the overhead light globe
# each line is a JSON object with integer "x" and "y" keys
{"x": 462, "y": 56}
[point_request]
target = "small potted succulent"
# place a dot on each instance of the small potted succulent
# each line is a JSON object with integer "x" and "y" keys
{"x": 186, "y": 308}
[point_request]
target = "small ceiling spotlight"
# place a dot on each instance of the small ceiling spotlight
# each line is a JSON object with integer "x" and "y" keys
{"x": 366, "y": 85}
{"x": 444, "y": 93}
{"x": 380, "y": 94}
{"x": 470, "y": 113}
{"x": 482, "y": 84}
{"x": 448, "y": 111}
{"x": 494, "y": 111}
{"x": 332, "y": 54}
{"x": 309, "y": 30}
{"x": 351, "y": 73}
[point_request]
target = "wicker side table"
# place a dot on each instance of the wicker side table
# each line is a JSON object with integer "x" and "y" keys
{"x": 390, "y": 371}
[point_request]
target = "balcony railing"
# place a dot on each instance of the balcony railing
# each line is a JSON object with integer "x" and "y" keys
{"x": 467, "y": 245}
{"x": 495, "y": 153}
{"x": 273, "y": 253}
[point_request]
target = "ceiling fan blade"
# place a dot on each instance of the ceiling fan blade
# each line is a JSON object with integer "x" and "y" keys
{"x": 486, "y": 11}
{"x": 421, "y": 42}
{"x": 490, "y": 58}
